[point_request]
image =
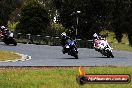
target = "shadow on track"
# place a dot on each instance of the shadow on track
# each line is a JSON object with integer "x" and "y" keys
{"x": 101, "y": 57}
{"x": 68, "y": 58}
{"x": 3, "y": 44}
{"x": 7, "y": 45}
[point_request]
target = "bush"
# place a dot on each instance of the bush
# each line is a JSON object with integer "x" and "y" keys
{"x": 56, "y": 29}
{"x": 34, "y": 19}
{"x": 12, "y": 25}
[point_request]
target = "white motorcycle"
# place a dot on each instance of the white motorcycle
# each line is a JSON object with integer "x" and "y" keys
{"x": 104, "y": 48}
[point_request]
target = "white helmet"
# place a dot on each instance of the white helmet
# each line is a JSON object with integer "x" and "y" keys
{"x": 63, "y": 34}
{"x": 95, "y": 35}
{"x": 2, "y": 27}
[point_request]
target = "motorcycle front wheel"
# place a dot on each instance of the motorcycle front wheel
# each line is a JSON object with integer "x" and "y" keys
{"x": 76, "y": 56}
{"x": 15, "y": 43}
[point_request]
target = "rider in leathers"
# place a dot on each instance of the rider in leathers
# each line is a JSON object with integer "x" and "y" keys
{"x": 64, "y": 39}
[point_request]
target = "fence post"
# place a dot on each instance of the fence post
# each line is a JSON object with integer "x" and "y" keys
{"x": 19, "y": 35}
{"x": 48, "y": 39}
{"x": 57, "y": 42}
{"x": 29, "y": 38}
{"x": 38, "y": 38}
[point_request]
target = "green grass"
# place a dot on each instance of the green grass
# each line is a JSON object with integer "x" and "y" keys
{"x": 56, "y": 77}
{"x": 112, "y": 38}
{"x": 8, "y": 56}
{"x": 123, "y": 45}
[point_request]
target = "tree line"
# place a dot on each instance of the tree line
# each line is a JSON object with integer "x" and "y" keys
{"x": 36, "y": 16}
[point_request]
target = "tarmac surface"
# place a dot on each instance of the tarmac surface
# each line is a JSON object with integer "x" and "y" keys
{"x": 45, "y": 55}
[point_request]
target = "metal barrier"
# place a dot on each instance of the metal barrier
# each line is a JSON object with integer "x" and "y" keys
{"x": 49, "y": 40}
{"x": 85, "y": 43}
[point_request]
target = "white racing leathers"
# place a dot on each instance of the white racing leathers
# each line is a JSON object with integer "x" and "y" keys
{"x": 102, "y": 44}
{"x": 103, "y": 47}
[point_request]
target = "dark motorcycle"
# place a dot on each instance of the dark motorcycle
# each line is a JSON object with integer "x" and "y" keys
{"x": 9, "y": 40}
{"x": 70, "y": 48}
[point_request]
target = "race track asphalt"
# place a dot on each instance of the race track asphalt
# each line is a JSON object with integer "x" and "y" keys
{"x": 45, "y": 55}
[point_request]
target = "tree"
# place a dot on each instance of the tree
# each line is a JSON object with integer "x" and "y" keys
{"x": 127, "y": 22}
{"x": 118, "y": 18}
{"x": 6, "y": 7}
{"x": 34, "y": 19}
{"x": 93, "y": 17}
{"x": 56, "y": 29}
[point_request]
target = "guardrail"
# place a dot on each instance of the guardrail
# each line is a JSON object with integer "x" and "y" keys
{"x": 48, "y": 40}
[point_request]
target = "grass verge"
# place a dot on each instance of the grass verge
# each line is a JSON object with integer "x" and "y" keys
{"x": 8, "y": 56}
{"x": 56, "y": 77}
{"x": 121, "y": 47}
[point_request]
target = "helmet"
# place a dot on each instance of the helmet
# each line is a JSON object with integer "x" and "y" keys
{"x": 63, "y": 34}
{"x": 95, "y": 35}
{"x": 2, "y": 27}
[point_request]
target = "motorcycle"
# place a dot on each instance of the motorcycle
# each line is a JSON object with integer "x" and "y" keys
{"x": 9, "y": 40}
{"x": 70, "y": 48}
{"x": 104, "y": 48}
